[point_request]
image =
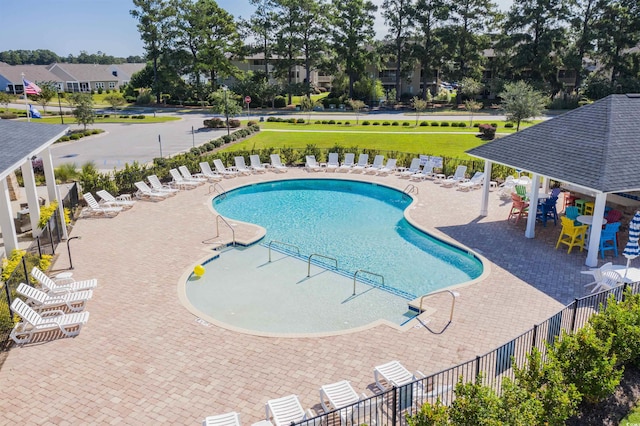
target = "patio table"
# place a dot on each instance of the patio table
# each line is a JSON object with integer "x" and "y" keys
{"x": 588, "y": 220}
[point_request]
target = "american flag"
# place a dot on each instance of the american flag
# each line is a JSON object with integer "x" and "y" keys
{"x": 30, "y": 88}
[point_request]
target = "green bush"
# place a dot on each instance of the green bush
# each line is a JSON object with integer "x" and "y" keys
{"x": 405, "y": 124}
{"x": 494, "y": 125}
{"x": 509, "y": 125}
{"x": 300, "y": 121}
{"x": 279, "y": 102}
{"x": 251, "y": 123}
{"x": 476, "y": 124}
{"x": 395, "y": 123}
{"x": 234, "y": 123}
{"x": 434, "y": 124}
{"x": 386, "y": 123}
{"x": 332, "y": 121}
{"x": 64, "y": 139}
{"x": 99, "y": 90}
{"x": 423, "y": 123}
{"x": 444, "y": 124}
{"x": 376, "y": 123}
{"x": 621, "y": 321}
{"x": 8, "y": 116}
{"x": 338, "y": 122}
{"x": 461, "y": 124}
{"x": 346, "y": 123}
{"x": 75, "y": 136}
{"x": 366, "y": 123}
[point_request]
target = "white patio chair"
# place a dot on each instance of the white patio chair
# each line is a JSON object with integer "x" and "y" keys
{"x": 256, "y": 165}
{"x": 205, "y": 168}
{"x": 69, "y": 285}
{"x": 95, "y": 209}
{"x": 425, "y": 173}
{"x": 311, "y": 165}
{"x": 414, "y": 168}
{"x": 378, "y": 163}
{"x": 186, "y": 174}
{"x": 390, "y": 167}
{"x": 241, "y": 166}
{"x": 286, "y": 410}
{"x": 227, "y": 419}
{"x": 475, "y": 182}
{"x": 341, "y": 394}
{"x": 33, "y": 322}
{"x": 181, "y": 182}
{"x": 456, "y": 178}
{"x": 144, "y": 192}
{"x": 224, "y": 171}
{"x": 38, "y": 299}
{"x": 123, "y": 200}
{"x": 363, "y": 163}
{"x": 348, "y": 162}
{"x": 332, "y": 162}
{"x": 393, "y": 374}
{"x": 276, "y": 164}
{"x": 157, "y": 186}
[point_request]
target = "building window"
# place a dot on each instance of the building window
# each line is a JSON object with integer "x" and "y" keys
{"x": 112, "y": 85}
{"x": 100, "y": 85}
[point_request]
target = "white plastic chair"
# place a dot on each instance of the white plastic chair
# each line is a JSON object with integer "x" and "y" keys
{"x": 256, "y": 165}
{"x": 227, "y": 419}
{"x": 390, "y": 167}
{"x": 96, "y": 209}
{"x": 378, "y": 163}
{"x": 341, "y": 394}
{"x": 241, "y": 166}
{"x": 180, "y": 181}
{"x": 205, "y": 168}
{"x": 425, "y": 173}
{"x": 475, "y": 182}
{"x": 348, "y": 162}
{"x": 186, "y": 174}
{"x": 224, "y": 171}
{"x": 276, "y": 164}
{"x": 363, "y": 163}
{"x": 311, "y": 165}
{"x": 145, "y": 192}
{"x": 123, "y": 200}
{"x": 414, "y": 168}
{"x": 70, "y": 285}
{"x": 38, "y": 299}
{"x": 286, "y": 410}
{"x": 456, "y": 178}
{"x": 332, "y": 162}
{"x": 157, "y": 186}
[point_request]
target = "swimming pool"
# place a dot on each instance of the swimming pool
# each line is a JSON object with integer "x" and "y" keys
{"x": 359, "y": 224}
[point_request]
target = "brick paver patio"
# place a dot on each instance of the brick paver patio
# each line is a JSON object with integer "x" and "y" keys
{"x": 143, "y": 358}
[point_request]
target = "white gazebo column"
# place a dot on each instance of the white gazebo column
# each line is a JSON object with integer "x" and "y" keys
{"x": 6, "y": 220}
{"x": 545, "y": 185}
{"x": 32, "y": 196}
{"x": 596, "y": 230}
{"x": 484, "y": 207}
{"x": 52, "y": 188}
{"x": 530, "y": 231}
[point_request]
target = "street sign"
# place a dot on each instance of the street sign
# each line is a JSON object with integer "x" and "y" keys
{"x": 247, "y": 99}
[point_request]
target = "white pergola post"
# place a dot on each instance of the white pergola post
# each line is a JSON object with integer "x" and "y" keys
{"x": 545, "y": 185}
{"x": 52, "y": 188}
{"x": 530, "y": 231}
{"x": 596, "y": 230}
{"x": 6, "y": 220}
{"x": 32, "y": 196}
{"x": 484, "y": 206}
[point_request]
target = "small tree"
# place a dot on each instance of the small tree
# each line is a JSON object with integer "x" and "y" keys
{"x": 115, "y": 100}
{"x": 48, "y": 90}
{"x": 470, "y": 87}
{"x": 521, "y": 102}
{"x": 472, "y": 107}
{"x": 5, "y": 99}
{"x": 357, "y": 106}
{"x": 83, "y": 112}
{"x": 306, "y": 104}
{"x": 228, "y": 106}
{"x": 420, "y": 105}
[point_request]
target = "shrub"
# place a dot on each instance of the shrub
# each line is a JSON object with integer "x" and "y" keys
{"x": 434, "y": 124}
{"x": 8, "y": 116}
{"x": 386, "y": 123}
{"x": 495, "y": 125}
{"x": 99, "y": 90}
{"x": 454, "y": 124}
{"x": 366, "y": 123}
{"x": 87, "y": 132}
{"x": 487, "y": 131}
{"x": 213, "y": 123}
{"x": 279, "y": 102}
{"x": 251, "y": 123}
{"x": 300, "y": 121}
{"x": 346, "y": 123}
{"x": 424, "y": 123}
{"x": 75, "y": 136}
{"x": 63, "y": 139}
{"x": 376, "y": 123}
{"x": 317, "y": 122}
{"x": 338, "y": 122}
{"x": 444, "y": 124}
{"x": 130, "y": 99}
{"x": 234, "y": 123}
{"x": 508, "y": 125}
{"x": 476, "y": 124}
{"x": 395, "y": 123}
{"x": 332, "y": 121}
{"x": 140, "y": 117}
{"x": 272, "y": 119}
{"x": 461, "y": 124}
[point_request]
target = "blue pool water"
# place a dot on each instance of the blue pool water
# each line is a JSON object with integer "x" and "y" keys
{"x": 359, "y": 224}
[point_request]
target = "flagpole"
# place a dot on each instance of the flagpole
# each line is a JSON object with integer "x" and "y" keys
{"x": 26, "y": 100}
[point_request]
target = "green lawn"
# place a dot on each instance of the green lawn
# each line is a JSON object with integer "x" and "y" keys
{"x": 633, "y": 418}
{"x": 112, "y": 119}
{"x": 436, "y": 144}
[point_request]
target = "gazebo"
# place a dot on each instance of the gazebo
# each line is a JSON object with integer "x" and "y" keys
{"x": 19, "y": 143}
{"x": 594, "y": 150}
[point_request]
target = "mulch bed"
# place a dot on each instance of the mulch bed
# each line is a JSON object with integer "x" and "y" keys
{"x": 610, "y": 411}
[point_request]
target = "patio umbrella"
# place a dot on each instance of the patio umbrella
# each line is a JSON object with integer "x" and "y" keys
{"x": 632, "y": 249}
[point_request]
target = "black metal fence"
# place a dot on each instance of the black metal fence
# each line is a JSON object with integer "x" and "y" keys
{"x": 44, "y": 244}
{"x": 390, "y": 407}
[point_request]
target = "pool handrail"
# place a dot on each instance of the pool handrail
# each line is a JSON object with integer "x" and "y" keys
{"x": 365, "y": 271}
{"x": 233, "y": 232}
{"x": 410, "y": 188}
{"x": 454, "y": 296}
{"x": 318, "y": 255}
{"x": 214, "y": 186}
{"x": 284, "y": 244}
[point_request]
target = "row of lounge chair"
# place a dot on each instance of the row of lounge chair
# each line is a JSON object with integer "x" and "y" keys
{"x": 354, "y": 408}
{"x": 57, "y": 307}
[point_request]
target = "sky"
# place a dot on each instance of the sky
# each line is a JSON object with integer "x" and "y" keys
{"x": 71, "y": 26}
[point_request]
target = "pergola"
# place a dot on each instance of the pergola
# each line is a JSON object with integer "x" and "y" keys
{"x": 19, "y": 143}
{"x": 594, "y": 149}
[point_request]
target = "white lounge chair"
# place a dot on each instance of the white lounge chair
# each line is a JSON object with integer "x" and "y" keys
{"x": 475, "y": 182}
{"x": 228, "y": 419}
{"x": 157, "y": 186}
{"x": 205, "y": 168}
{"x": 348, "y": 162}
{"x": 186, "y": 174}
{"x": 256, "y": 165}
{"x": 341, "y": 394}
{"x": 181, "y": 182}
{"x": 38, "y": 299}
{"x": 457, "y": 177}
{"x": 276, "y": 164}
{"x": 241, "y": 166}
{"x": 286, "y": 410}
{"x": 393, "y": 374}
{"x": 69, "y": 285}
{"x": 363, "y": 163}
{"x": 224, "y": 171}
{"x": 425, "y": 173}
{"x": 414, "y": 168}
{"x": 147, "y": 193}
{"x": 311, "y": 165}
{"x": 123, "y": 200}
{"x": 390, "y": 167}
{"x": 332, "y": 162}
{"x": 378, "y": 163}
{"x": 33, "y": 322}
{"x": 95, "y": 209}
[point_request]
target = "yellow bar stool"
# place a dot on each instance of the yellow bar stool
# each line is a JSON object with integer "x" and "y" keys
{"x": 588, "y": 208}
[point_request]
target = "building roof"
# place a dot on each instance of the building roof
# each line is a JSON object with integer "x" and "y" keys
{"x": 128, "y": 68}
{"x": 35, "y": 73}
{"x": 86, "y": 72}
{"x": 596, "y": 146}
{"x": 22, "y": 140}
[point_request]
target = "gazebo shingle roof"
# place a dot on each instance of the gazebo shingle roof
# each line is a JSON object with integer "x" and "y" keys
{"x": 20, "y": 140}
{"x": 596, "y": 146}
